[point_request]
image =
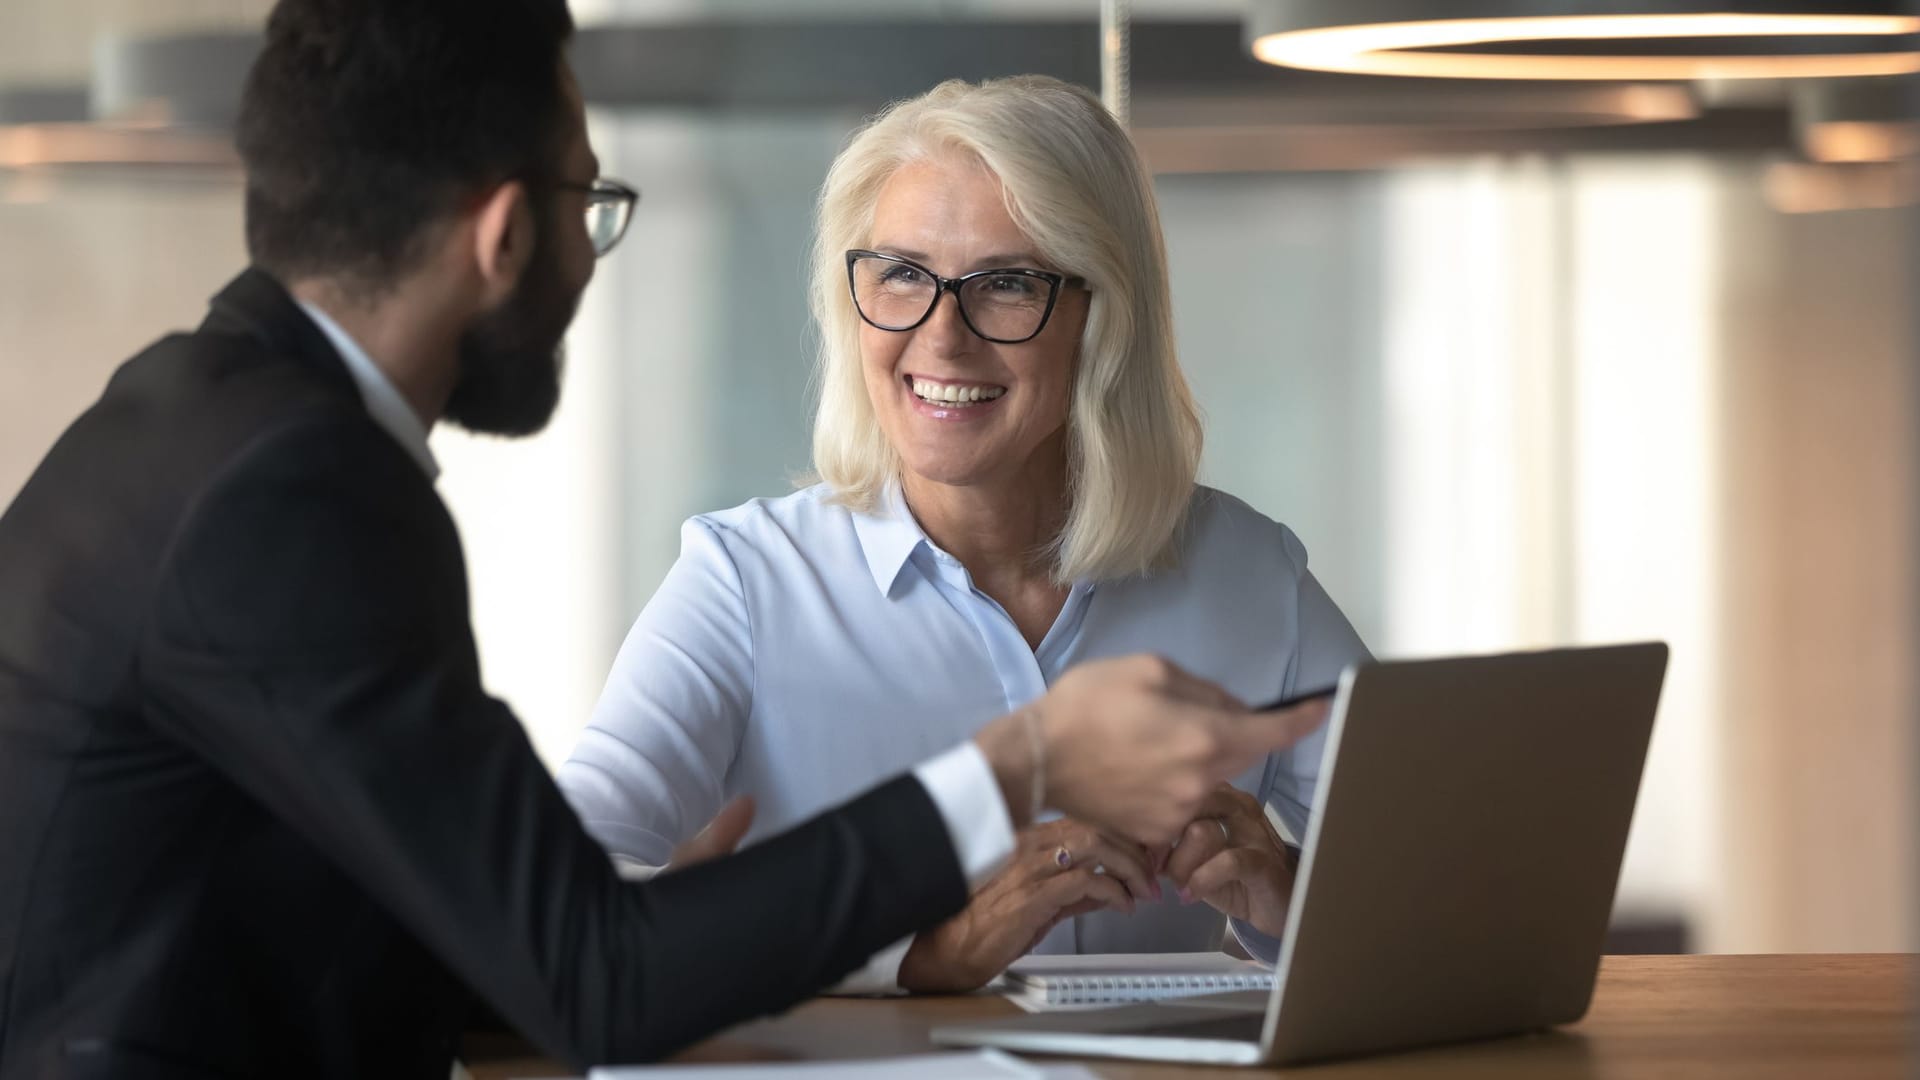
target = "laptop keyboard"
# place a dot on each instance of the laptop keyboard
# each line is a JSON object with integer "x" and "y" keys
{"x": 1241, "y": 1028}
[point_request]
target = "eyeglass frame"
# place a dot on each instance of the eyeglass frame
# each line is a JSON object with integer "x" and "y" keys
{"x": 624, "y": 194}
{"x": 942, "y": 285}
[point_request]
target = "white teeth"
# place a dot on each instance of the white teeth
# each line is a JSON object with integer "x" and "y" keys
{"x": 948, "y": 393}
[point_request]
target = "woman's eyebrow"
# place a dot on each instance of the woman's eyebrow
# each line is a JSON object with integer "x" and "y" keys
{"x": 1011, "y": 259}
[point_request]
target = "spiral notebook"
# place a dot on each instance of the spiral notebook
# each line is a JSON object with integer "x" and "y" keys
{"x": 1041, "y": 983}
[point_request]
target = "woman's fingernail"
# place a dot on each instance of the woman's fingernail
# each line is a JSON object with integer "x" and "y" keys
{"x": 1186, "y": 896}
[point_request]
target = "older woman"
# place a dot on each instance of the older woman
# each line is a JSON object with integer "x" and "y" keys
{"x": 1007, "y": 454}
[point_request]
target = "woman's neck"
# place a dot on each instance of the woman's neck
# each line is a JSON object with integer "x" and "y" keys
{"x": 995, "y": 533}
{"x": 1001, "y": 533}
{"x": 998, "y": 529}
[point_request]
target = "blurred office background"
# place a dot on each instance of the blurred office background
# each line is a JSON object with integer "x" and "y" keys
{"x": 1523, "y": 364}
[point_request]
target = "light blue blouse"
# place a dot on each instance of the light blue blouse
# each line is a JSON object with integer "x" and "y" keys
{"x": 799, "y": 652}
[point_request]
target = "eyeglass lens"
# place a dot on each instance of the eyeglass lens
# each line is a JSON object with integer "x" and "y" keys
{"x": 1003, "y": 307}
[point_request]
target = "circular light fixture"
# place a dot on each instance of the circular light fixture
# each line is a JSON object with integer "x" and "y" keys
{"x": 1587, "y": 39}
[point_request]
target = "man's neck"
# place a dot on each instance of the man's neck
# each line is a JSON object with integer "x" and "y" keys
{"x": 408, "y": 332}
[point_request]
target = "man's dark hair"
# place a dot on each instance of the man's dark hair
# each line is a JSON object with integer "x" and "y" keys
{"x": 367, "y": 122}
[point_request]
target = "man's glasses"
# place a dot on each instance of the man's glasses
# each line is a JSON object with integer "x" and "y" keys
{"x": 610, "y": 206}
{"x": 1005, "y": 306}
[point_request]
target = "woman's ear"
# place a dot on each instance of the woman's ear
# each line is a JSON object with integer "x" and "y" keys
{"x": 503, "y": 239}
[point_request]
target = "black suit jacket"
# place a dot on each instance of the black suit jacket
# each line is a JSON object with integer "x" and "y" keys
{"x": 257, "y": 814}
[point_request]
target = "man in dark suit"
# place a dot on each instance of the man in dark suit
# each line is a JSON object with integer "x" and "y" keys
{"x": 257, "y": 814}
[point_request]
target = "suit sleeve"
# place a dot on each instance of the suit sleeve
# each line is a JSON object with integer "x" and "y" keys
{"x": 310, "y": 639}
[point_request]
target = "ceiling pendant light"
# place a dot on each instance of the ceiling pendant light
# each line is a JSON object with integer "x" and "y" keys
{"x": 1588, "y": 39}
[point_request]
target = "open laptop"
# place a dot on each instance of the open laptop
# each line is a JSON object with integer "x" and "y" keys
{"x": 1457, "y": 877}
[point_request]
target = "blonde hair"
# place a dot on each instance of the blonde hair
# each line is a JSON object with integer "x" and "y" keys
{"x": 1075, "y": 187}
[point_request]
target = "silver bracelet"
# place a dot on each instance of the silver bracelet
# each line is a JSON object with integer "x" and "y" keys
{"x": 1030, "y": 716}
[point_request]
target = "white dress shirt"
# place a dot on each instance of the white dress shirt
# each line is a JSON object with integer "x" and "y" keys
{"x": 384, "y": 402}
{"x": 799, "y": 653}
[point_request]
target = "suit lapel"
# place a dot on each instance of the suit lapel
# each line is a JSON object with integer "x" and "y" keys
{"x": 256, "y": 305}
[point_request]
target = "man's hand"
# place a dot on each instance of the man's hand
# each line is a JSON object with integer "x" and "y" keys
{"x": 1134, "y": 746}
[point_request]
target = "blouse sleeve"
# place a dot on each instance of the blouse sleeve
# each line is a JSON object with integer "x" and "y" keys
{"x": 1325, "y": 643}
{"x": 650, "y": 769}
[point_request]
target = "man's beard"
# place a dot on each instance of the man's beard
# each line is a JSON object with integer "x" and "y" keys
{"x": 511, "y": 357}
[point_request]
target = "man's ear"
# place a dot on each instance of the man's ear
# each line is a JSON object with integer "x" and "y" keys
{"x": 503, "y": 238}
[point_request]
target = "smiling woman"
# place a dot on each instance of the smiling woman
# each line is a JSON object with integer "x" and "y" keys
{"x": 1031, "y": 176}
{"x": 1007, "y": 451}
{"x": 1007, "y": 347}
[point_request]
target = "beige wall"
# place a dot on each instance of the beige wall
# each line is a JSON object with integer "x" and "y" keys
{"x": 1819, "y": 427}
{"x": 90, "y": 271}
{"x": 52, "y": 40}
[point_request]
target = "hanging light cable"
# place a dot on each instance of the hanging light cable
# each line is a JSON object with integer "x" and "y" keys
{"x": 1588, "y": 39}
{"x": 1116, "y": 58}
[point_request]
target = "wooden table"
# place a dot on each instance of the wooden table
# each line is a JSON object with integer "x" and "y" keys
{"x": 1670, "y": 1017}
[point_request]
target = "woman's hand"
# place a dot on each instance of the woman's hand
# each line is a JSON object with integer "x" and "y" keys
{"x": 1059, "y": 869}
{"x": 1231, "y": 857}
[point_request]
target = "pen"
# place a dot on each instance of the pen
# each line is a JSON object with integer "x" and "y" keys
{"x": 1298, "y": 699}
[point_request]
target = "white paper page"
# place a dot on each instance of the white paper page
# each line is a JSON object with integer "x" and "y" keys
{"x": 981, "y": 1065}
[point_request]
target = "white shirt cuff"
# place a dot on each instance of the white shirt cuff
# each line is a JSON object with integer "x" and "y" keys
{"x": 962, "y": 786}
{"x": 632, "y": 869}
{"x": 1259, "y": 946}
{"x": 880, "y": 974}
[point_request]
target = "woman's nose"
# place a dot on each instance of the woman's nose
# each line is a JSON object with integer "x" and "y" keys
{"x": 945, "y": 330}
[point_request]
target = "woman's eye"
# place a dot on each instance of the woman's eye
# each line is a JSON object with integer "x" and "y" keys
{"x": 1011, "y": 286}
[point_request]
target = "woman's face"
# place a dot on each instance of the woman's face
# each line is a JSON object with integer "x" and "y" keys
{"x": 948, "y": 215}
